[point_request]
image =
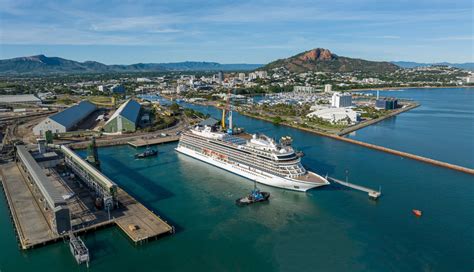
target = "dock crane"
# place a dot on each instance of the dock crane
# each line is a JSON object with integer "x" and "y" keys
{"x": 227, "y": 110}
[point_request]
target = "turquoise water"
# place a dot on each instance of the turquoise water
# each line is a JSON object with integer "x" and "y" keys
{"x": 441, "y": 128}
{"x": 327, "y": 229}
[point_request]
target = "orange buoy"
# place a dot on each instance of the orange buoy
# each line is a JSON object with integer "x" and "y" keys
{"x": 417, "y": 212}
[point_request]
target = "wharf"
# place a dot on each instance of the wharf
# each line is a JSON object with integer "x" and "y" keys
{"x": 154, "y": 141}
{"x": 138, "y": 222}
{"x": 372, "y": 193}
{"x": 32, "y": 221}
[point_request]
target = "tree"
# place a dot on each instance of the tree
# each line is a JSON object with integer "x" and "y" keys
{"x": 49, "y": 136}
{"x": 277, "y": 120}
{"x": 174, "y": 107}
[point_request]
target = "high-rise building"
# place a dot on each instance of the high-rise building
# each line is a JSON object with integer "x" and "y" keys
{"x": 242, "y": 76}
{"x": 386, "y": 103}
{"x": 220, "y": 77}
{"x": 340, "y": 100}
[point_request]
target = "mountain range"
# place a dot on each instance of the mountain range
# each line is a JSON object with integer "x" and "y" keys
{"x": 410, "y": 64}
{"x": 323, "y": 60}
{"x": 318, "y": 59}
{"x": 41, "y": 64}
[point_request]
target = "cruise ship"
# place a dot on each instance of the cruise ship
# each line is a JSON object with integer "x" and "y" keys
{"x": 256, "y": 157}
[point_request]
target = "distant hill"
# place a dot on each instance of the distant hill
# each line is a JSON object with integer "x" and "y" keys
{"x": 322, "y": 60}
{"x": 41, "y": 64}
{"x": 410, "y": 64}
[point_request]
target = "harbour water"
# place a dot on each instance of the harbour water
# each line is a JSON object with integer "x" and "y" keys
{"x": 442, "y": 128}
{"x": 327, "y": 229}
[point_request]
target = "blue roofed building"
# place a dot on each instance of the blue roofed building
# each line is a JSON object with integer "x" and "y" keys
{"x": 124, "y": 119}
{"x": 65, "y": 120}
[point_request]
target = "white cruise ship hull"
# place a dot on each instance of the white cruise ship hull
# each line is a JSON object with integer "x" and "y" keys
{"x": 255, "y": 174}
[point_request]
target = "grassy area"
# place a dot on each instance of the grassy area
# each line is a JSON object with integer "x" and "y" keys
{"x": 65, "y": 100}
{"x": 371, "y": 113}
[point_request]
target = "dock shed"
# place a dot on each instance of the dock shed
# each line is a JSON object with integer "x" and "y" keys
{"x": 53, "y": 200}
{"x": 125, "y": 118}
{"x": 19, "y": 99}
{"x": 65, "y": 120}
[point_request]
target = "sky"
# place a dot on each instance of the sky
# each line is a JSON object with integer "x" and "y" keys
{"x": 257, "y": 31}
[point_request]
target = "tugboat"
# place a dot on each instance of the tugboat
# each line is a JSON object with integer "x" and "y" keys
{"x": 253, "y": 197}
{"x": 147, "y": 153}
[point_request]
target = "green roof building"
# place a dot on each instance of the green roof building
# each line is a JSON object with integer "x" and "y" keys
{"x": 124, "y": 119}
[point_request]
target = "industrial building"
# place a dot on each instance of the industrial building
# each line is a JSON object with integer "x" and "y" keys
{"x": 341, "y": 100}
{"x": 125, "y": 118}
{"x": 65, "y": 120}
{"x": 336, "y": 115}
{"x": 386, "y": 103}
{"x": 52, "y": 199}
{"x": 19, "y": 99}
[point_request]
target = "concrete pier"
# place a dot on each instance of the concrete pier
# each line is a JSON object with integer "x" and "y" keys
{"x": 153, "y": 141}
{"x": 372, "y": 193}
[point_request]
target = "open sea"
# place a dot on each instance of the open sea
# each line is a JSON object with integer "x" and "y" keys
{"x": 326, "y": 229}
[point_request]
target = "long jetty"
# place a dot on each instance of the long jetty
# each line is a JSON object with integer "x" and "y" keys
{"x": 372, "y": 193}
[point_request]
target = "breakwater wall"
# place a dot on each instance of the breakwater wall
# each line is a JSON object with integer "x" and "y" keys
{"x": 379, "y": 148}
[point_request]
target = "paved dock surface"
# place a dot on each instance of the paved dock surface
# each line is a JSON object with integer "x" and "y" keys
{"x": 28, "y": 217}
{"x": 138, "y": 222}
{"x": 154, "y": 141}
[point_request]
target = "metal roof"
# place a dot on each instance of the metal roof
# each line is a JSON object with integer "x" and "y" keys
{"x": 73, "y": 115}
{"x": 50, "y": 193}
{"x": 19, "y": 98}
{"x": 209, "y": 122}
{"x": 129, "y": 110}
{"x": 103, "y": 180}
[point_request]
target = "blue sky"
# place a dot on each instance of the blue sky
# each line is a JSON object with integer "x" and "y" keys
{"x": 258, "y": 31}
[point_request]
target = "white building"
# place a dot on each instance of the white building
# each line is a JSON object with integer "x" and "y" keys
{"x": 258, "y": 74}
{"x": 181, "y": 88}
{"x": 102, "y": 88}
{"x": 305, "y": 89}
{"x": 469, "y": 79}
{"x": 340, "y": 100}
{"x": 337, "y": 115}
{"x": 143, "y": 79}
{"x": 242, "y": 76}
{"x": 328, "y": 88}
{"x": 261, "y": 74}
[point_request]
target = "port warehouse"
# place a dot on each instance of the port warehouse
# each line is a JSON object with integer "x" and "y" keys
{"x": 53, "y": 201}
{"x": 65, "y": 120}
{"x": 105, "y": 189}
{"x": 124, "y": 118}
{"x": 21, "y": 99}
